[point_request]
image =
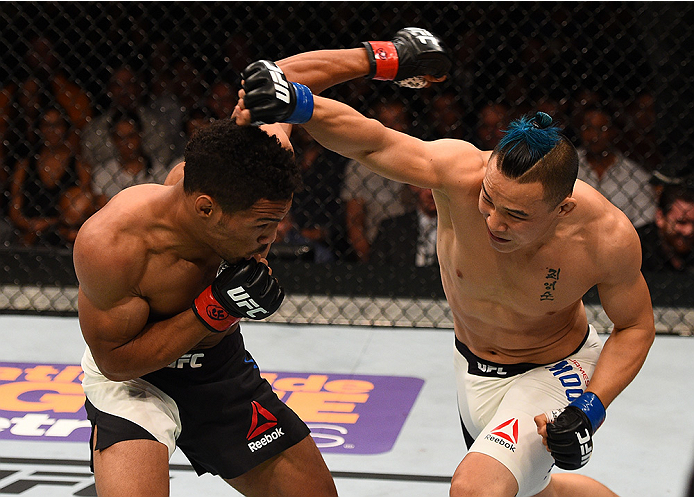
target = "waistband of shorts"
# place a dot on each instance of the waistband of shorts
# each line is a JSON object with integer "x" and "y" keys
{"x": 200, "y": 365}
{"x": 482, "y": 367}
{"x": 226, "y": 347}
{"x": 203, "y": 361}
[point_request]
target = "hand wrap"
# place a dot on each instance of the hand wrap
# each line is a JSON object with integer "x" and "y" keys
{"x": 271, "y": 98}
{"x": 243, "y": 290}
{"x": 570, "y": 431}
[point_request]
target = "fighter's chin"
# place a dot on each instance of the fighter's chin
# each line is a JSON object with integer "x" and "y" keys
{"x": 503, "y": 248}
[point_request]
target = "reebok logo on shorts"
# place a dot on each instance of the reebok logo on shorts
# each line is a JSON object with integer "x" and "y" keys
{"x": 506, "y": 434}
{"x": 257, "y": 426}
{"x": 262, "y": 420}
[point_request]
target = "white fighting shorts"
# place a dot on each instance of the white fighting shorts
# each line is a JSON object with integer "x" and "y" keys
{"x": 498, "y": 402}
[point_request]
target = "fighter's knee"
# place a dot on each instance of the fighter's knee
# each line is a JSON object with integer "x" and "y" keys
{"x": 462, "y": 488}
{"x": 479, "y": 479}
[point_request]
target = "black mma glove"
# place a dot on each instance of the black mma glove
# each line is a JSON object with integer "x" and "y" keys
{"x": 570, "y": 431}
{"x": 243, "y": 290}
{"x": 413, "y": 53}
{"x": 271, "y": 98}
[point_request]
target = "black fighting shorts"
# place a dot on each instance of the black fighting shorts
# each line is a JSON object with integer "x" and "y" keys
{"x": 223, "y": 416}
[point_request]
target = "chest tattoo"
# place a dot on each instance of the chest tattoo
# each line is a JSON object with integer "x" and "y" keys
{"x": 550, "y": 283}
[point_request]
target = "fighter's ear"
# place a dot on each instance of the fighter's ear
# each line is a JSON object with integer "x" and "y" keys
{"x": 566, "y": 206}
{"x": 204, "y": 206}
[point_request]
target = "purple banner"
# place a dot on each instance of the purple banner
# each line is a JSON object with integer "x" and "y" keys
{"x": 42, "y": 402}
{"x": 353, "y": 414}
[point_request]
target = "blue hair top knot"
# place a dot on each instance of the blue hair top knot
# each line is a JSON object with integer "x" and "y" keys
{"x": 541, "y": 120}
{"x": 536, "y": 132}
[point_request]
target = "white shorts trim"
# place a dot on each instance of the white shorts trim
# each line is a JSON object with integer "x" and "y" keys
{"x": 135, "y": 400}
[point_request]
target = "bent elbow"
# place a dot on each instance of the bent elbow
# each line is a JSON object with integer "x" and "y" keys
{"x": 114, "y": 371}
{"x": 117, "y": 376}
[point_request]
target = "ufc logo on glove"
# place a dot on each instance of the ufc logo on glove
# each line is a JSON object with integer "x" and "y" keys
{"x": 242, "y": 299}
{"x": 281, "y": 84}
{"x": 242, "y": 290}
{"x": 423, "y": 36}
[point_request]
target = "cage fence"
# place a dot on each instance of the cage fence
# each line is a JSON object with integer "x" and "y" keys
{"x": 91, "y": 74}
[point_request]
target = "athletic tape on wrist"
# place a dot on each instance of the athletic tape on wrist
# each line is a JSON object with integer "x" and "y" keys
{"x": 304, "y": 105}
{"x": 386, "y": 58}
{"x": 591, "y": 405}
{"x": 211, "y": 313}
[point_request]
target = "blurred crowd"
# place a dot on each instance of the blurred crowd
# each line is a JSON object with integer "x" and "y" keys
{"x": 63, "y": 157}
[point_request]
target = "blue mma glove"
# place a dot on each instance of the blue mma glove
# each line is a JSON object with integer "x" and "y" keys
{"x": 570, "y": 431}
{"x": 271, "y": 98}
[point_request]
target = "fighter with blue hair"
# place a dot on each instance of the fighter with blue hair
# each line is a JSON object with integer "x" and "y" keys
{"x": 519, "y": 242}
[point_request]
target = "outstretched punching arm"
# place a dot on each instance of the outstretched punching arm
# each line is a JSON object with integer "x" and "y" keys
{"x": 414, "y": 57}
{"x": 344, "y": 130}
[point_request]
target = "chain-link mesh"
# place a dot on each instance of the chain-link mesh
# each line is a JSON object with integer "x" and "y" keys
{"x": 97, "y": 96}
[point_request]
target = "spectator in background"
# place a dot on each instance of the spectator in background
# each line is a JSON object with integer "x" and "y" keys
{"x": 40, "y": 181}
{"x": 127, "y": 94}
{"x": 409, "y": 239}
{"x": 174, "y": 89}
{"x": 316, "y": 209}
{"x": 44, "y": 84}
{"x": 176, "y": 82}
{"x": 678, "y": 170}
{"x": 38, "y": 84}
{"x": 605, "y": 168}
{"x": 222, "y": 99}
{"x": 639, "y": 139}
{"x": 131, "y": 165}
{"x": 447, "y": 116}
{"x": 196, "y": 119}
{"x": 493, "y": 118}
{"x": 583, "y": 99}
{"x": 368, "y": 197}
{"x": 238, "y": 51}
{"x": 668, "y": 243}
{"x": 291, "y": 244}
{"x": 75, "y": 207}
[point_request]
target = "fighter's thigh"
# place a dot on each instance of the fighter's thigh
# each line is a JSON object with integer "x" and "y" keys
{"x": 136, "y": 468}
{"x": 511, "y": 438}
{"x": 299, "y": 471}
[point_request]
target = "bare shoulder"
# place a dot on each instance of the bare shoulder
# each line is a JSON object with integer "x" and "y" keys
{"x": 108, "y": 255}
{"x": 458, "y": 164}
{"x": 616, "y": 245}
